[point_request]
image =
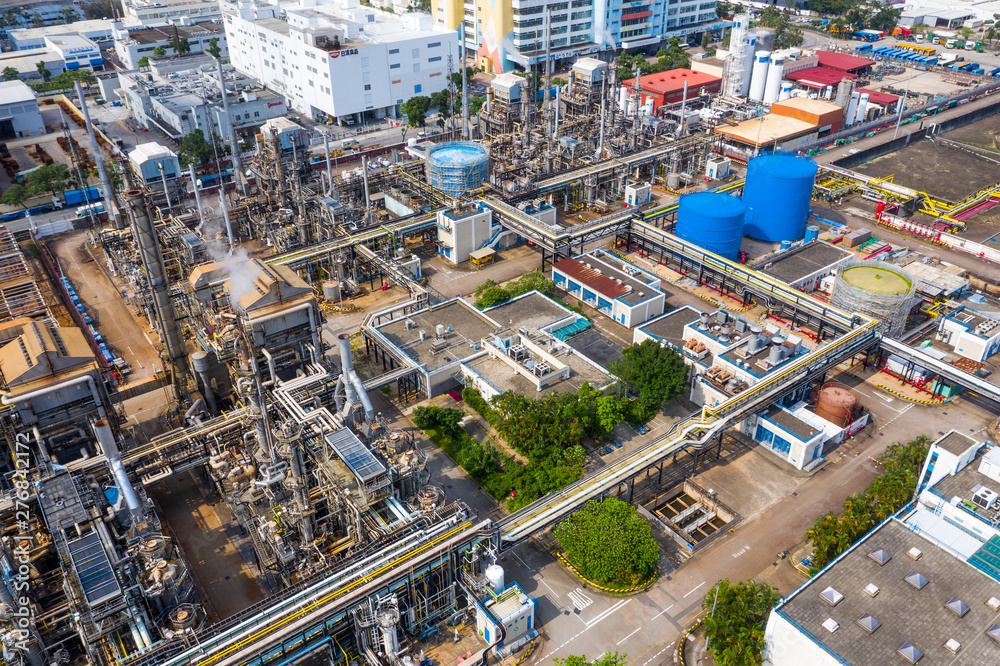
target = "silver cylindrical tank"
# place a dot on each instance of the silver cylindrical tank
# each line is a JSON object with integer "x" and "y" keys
{"x": 786, "y": 91}
{"x": 331, "y": 290}
{"x": 673, "y": 180}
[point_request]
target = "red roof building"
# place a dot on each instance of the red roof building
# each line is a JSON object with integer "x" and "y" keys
{"x": 819, "y": 77}
{"x": 668, "y": 87}
{"x": 880, "y": 98}
{"x": 843, "y": 62}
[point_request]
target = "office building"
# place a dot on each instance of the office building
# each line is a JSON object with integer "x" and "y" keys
{"x": 338, "y": 58}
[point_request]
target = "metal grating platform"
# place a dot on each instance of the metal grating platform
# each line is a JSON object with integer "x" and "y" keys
{"x": 94, "y": 569}
{"x": 357, "y": 456}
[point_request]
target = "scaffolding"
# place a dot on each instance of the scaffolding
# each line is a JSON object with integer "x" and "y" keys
{"x": 878, "y": 290}
{"x": 458, "y": 167}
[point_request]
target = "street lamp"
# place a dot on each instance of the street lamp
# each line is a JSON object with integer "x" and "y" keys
{"x": 760, "y": 126}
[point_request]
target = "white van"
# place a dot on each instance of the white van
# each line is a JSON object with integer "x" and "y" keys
{"x": 84, "y": 211}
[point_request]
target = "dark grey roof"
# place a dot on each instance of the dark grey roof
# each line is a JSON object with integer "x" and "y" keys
{"x": 955, "y": 443}
{"x": 907, "y": 615}
{"x": 804, "y": 261}
{"x": 831, "y": 596}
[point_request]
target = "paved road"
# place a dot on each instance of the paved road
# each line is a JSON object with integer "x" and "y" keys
{"x": 646, "y": 627}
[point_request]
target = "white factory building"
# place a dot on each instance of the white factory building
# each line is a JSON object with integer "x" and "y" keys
{"x": 19, "y": 115}
{"x": 339, "y": 58}
{"x": 166, "y": 12}
{"x": 98, "y": 30}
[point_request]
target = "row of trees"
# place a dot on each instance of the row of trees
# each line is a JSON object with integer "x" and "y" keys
{"x": 654, "y": 374}
{"x": 786, "y": 34}
{"x": 47, "y": 179}
{"x": 853, "y": 15}
{"x": 890, "y": 491}
{"x": 672, "y": 57}
{"x": 490, "y": 293}
{"x": 737, "y": 619}
{"x": 609, "y": 543}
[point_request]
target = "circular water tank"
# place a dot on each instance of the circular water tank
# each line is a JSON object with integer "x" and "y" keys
{"x": 331, "y": 290}
{"x": 494, "y": 576}
{"x": 812, "y": 233}
{"x": 457, "y": 167}
{"x": 673, "y": 180}
{"x": 836, "y": 403}
{"x": 879, "y": 290}
{"x": 712, "y": 221}
{"x": 777, "y": 194}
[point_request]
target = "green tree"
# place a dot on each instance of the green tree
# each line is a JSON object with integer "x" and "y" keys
{"x": 10, "y": 17}
{"x": 69, "y": 14}
{"x": 612, "y": 659}
{"x": 48, "y": 179}
{"x": 213, "y": 48}
{"x": 415, "y": 109}
{"x": 10, "y": 74}
{"x": 706, "y": 41}
{"x": 99, "y": 9}
{"x": 37, "y": 21}
{"x": 181, "y": 45}
{"x": 609, "y": 543}
{"x": 610, "y": 412}
{"x": 725, "y": 9}
{"x": 66, "y": 79}
{"x": 657, "y": 372}
{"x": 872, "y": 16}
{"x": 159, "y": 52}
{"x": 737, "y": 617}
{"x": 143, "y": 62}
{"x": 42, "y": 71}
{"x": 194, "y": 149}
{"x": 475, "y": 104}
{"x": 15, "y": 195}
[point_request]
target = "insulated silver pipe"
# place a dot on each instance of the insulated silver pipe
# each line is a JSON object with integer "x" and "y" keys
{"x": 99, "y": 158}
{"x": 234, "y": 143}
{"x": 197, "y": 194}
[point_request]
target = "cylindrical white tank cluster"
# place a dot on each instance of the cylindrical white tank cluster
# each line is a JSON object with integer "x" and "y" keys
{"x": 761, "y": 61}
{"x": 772, "y": 86}
{"x": 862, "y": 108}
{"x": 852, "y": 108}
{"x": 786, "y": 91}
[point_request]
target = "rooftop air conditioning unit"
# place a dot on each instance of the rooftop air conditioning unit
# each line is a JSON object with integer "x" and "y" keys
{"x": 985, "y": 498}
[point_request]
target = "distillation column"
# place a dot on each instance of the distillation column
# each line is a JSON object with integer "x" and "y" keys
{"x": 152, "y": 262}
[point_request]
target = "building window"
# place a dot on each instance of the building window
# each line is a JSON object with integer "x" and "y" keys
{"x": 416, "y": 89}
{"x": 434, "y": 59}
{"x": 366, "y": 77}
{"x": 416, "y": 67}
{"x": 368, "y": 99}
{"x": 434, "y": 45}
{"x": 364, "y": 62}
{"x": 368, "y": 86}
{"x": 394, "y": 66}
{"x": 393, "y": 51}
{"x": 416, "y": 53}
{"x": 256, "y": 114}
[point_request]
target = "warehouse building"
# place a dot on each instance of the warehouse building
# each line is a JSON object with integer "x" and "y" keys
{"x": 668, "y": 87}
{"x": 614, "y": 287}
{"x": 338, "y": 58}
{"x": 101, "y": 31}
{"x": 19, "y": 114}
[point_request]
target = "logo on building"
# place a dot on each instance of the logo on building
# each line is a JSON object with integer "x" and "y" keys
{"x": 345, "y": 53}
{"x": 272, "y": 104}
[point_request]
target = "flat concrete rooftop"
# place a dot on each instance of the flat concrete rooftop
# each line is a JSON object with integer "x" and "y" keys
{"x": 468, "y": 326}
{"x": 804, "y": 261}
{"x": 670, "y": 327}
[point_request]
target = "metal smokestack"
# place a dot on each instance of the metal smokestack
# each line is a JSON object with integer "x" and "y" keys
{"x": 237, "y": 151}
{"x": 152, "y": 262}
{"x": 102, "y": 173}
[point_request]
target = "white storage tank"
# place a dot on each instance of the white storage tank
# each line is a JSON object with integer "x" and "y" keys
{"x": 862, "y": 108}
{"x": 786, "y": 91}
{"x": 494, "y": 576}
{"x": 761, "y": 60}
{"x": 774, "y": 72}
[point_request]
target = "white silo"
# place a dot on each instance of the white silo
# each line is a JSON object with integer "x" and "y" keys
{"x": 735, "y": 61}
{"x": 761, "y": 60}
{"x": 623, "y": 99}
{"x": 749, "y": 47}
{"x": 828, "y": 93}
{"x": 773, "y": 84}
{"x": 862, "y": 108}
{"x": 786, "y": 91}
{"x": 852, "y": 108}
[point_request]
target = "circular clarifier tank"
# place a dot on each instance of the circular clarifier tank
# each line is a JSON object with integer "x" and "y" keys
{"x": 712, "y": 221}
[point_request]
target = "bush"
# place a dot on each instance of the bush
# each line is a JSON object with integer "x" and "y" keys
{"x": 609, "y": 543}
{"x": 489, "y": 293}
{"x": 735, "y": 628}
{"x": 476, "y": 401}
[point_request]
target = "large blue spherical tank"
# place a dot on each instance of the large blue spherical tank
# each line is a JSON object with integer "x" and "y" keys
{"x": 777, "y": 193}
{"x": 712, "y": 221}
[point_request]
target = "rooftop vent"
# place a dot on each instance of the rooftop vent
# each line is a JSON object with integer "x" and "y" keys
{"x": 831, "y": 596}
{"x": 910, "y": 653}
{"x": 957, "y": 606}
{"x": 831, "y": 625}
{"x": 916, "y": 580}
{"x": 914, "y": 553}
{"x": 953, "y": 646}
{"x": 868, "y": 623}
{"x": 994, "y": 632}
{"x": 871, "y": 589}
{"x": 993, "y": 603}
{"x": 880, "y": 556}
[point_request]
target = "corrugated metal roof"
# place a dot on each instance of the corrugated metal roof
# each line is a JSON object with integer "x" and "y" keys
{"x": 589, "y": 277}
{"x": 842, "y": 61}
{"x": 672, "y": 81}
{"x": 878, "y": 97}
{"x": 819, "y": 77}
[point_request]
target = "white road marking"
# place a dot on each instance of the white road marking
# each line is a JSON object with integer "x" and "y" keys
{"x": 579, "y": 599}
{"x": 629, "y": 636}
{"x": 663, "y": 611}
{"x": 523, "y": 562}
{"x": 554, "y": 593}
{"x": 694, "y": 590}
{"x": 658, "y": 653}
{"x": 606, "y": 613}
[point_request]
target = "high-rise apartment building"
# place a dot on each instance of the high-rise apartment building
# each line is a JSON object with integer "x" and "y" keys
{"x": 509, "y": 33}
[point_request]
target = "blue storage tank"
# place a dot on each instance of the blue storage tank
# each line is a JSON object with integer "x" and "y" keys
{"x": 777, "y": 194}
{"x": 712, "y": 221}
{"x": 812, "y": 233}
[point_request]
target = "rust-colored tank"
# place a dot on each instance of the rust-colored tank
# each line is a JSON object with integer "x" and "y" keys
{"x": 836, "y": 403}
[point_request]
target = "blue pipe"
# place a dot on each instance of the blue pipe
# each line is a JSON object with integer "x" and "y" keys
{"x": 304, "y": 651}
